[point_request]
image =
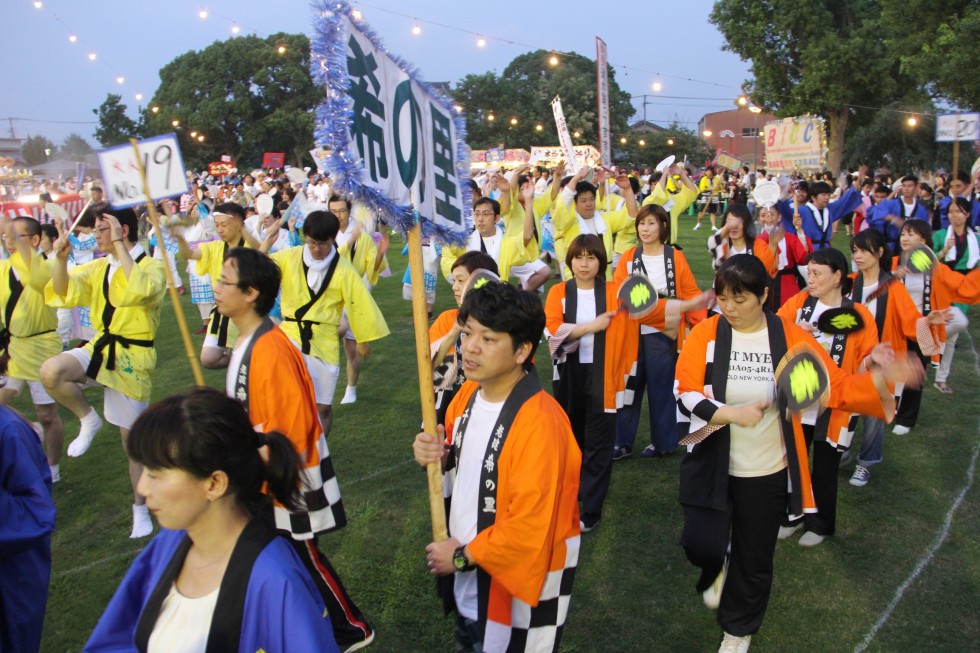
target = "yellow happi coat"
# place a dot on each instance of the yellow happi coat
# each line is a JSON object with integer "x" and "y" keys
{"x": 365, "y": 256}
{"x": 212, "y": 260}
{"x": 33, "y": 324}
{"x": 346, "y": 290}
{"x": 137, "y": 299}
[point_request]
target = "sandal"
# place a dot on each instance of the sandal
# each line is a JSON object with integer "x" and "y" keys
{"x": 943, "y": 388}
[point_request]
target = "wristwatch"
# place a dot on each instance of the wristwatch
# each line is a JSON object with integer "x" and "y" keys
{"x": 460, "y": 562}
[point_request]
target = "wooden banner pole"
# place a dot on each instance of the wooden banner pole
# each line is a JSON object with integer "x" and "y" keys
{"x": 420, "y": 313}
{"x": 171, "y": 287}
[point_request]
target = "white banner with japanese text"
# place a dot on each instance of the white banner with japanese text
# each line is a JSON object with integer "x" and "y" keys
{"x": 602, "y": 80}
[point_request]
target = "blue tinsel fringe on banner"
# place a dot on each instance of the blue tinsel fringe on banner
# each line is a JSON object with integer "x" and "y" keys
{"x": 328, "y": 67}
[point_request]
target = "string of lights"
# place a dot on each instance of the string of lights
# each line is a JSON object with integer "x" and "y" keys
{"x": 481, "y": 39}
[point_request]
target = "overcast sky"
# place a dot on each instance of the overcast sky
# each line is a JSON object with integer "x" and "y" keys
{"x": 51, "y": 81}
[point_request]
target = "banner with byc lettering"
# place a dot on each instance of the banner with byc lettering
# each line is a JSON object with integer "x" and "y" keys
{"x": 162, "y": 162}
{"x": 796, "y": 144}
{"x": 396, "y": 143}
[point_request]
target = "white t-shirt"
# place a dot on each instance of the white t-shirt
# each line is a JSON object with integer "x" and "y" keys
{"x": 658, "y": 277}
{"x": 916, "y": 285}
{"x": 492, "y": 243}
{"x": 466, "y": 494}
{"x": 585, "y": 312}
{"x": 183, "y": 624}
{"x": 756, "y": 451}
{"x": 871, "y": 306}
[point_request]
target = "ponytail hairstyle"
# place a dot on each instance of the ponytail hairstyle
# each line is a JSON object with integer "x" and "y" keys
{"x": 202, "y": 431}
{"x": 872, "y": 240}
{"x": 837, "y": 262}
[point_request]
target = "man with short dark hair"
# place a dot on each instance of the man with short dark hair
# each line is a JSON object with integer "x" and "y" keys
{"x": 889, "y": 216}
{"x": 29, "y": 335}
{"x": 582, "y": 215}
{"x": 819, "y": 214}
{"x": 229, "y": 224}
{"x": 512, "y": 468}
{"x": 268, "y": 374}
{"x": 354, "y": 243}
{"x": 318, "y": 286}
{"x": 125, "y": 292}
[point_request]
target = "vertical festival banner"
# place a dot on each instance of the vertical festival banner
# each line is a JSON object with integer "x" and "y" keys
{"x": 602, "y": 81}
{"x": 399, "y": 148}
{"x": 396, "y": 143}
{"x": 564, "y": 138}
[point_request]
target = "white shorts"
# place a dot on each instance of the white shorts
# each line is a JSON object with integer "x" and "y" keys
{"x": 39, "y": 396}
{"x": 119, "y": 410}
{"x": 324, "y": 377}
{"x": 211, "y": 340}
{"x": 526, "y": 271}
{"x": 345, "y": 327}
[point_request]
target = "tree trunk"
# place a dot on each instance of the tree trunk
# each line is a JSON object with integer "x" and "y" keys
{"x": 835, "y": 141}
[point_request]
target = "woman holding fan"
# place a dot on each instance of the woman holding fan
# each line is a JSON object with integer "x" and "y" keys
{"x": 744, "y": 455}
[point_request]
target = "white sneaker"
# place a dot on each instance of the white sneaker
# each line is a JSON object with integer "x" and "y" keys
{"x": 696, "y": 227}
{"x": 733, "y": 644}
{"x": 90, "y": 425}
{"x": 901, "y": 430}
{"x": 861, "y": 476}
{"x": 810, "y": 538}
{"x": 350, "y": 395}
{"x": 714, "y": 228}
{"x": 786, "y": 532}
{"x": 712, "y": 595}
{"x": 142, "y": 524}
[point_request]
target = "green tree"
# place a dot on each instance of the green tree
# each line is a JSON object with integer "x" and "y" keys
{"x": 75, "y": 147}
{"x": 38, "y": 149}
{"x": 243, "y": 95}
{"x": 936, "y": 44}
{"x": 649, "y": 148}
{"x": 890, "y": 141}
{"x": 115, "y": 126}
{"x": 525, "y": 90}
{"x": 826, "y": 57}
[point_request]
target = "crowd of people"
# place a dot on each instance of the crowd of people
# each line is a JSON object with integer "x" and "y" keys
{"x": 242, "y": 484}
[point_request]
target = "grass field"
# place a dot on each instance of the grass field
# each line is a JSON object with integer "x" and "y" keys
{"x": 634, "y": 588}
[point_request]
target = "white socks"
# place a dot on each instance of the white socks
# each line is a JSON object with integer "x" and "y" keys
{"x": 350, "y": 395}
{"x": 90, "y": 425}
{"x": 142, "y": 525}
{"x": 55, "y": 473}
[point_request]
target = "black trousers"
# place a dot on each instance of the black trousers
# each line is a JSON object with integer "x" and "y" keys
{"x": 756, "y": 507}
{"x": 823, "y": 478}
{"x": 908, "y": 407}
{"x": 349, "y": 625}
{"x": 595, "y": 433}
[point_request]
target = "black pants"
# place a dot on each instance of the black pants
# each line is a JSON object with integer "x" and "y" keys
{"x": 756, "y": 507}
{"x": 349, "y": 625}
{"x": 908, "y": 407}
{"x": 595, "y": 432}
{"x": 823, "y": 478}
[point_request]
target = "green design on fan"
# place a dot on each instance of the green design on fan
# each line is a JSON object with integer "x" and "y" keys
{"x": 639, "y": 295}
{"x": 843, "y": 321}
{"x": 804, "y": 381}
{"x": 920, "y": 261}
{"x": 479, "y": 283}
